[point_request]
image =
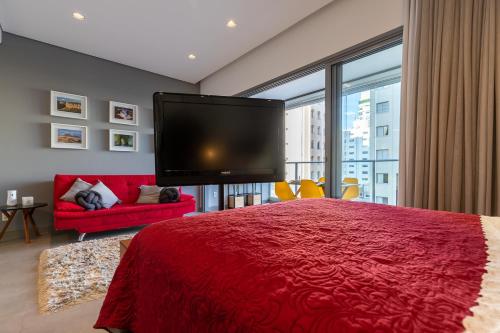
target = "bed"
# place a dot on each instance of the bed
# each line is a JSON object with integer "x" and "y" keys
{"x": 318, "y": 265}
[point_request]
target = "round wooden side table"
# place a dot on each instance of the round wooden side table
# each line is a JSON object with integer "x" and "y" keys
{"x": 11, "y": 211}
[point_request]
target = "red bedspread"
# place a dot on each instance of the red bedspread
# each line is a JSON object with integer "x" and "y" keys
{"x": 319, "y": 265}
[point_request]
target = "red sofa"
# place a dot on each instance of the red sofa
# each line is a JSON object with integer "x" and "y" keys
{"x": 69, "y": 215}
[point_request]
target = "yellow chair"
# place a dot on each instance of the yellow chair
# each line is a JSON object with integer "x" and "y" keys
{"x": 283, "y": 191}
{"x": 350, "y": 192}
{"x": 322, "y": 180}
{"x": 309, "y": 189}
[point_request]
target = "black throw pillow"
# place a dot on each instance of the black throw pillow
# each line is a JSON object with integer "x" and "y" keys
{"x": 169, "y": 194}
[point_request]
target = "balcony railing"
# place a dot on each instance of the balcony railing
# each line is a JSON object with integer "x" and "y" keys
{"x": 370, "y": 186}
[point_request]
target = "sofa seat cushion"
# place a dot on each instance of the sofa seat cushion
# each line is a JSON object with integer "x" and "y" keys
{"x": 150, "y": 194}
{"x": 123, "y": 209}
{"x": 122, "y": 216}
{"x": 66, "y": 206}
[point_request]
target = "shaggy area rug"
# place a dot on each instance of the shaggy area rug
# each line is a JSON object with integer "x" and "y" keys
{"x": 78, "y": 272}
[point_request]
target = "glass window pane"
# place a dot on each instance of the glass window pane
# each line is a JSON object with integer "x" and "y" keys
{"x": 382, "y": 107}
{"x": 371, "y": 90}
{"x": 305, "y": 149}
{"x": 305, "y": 126}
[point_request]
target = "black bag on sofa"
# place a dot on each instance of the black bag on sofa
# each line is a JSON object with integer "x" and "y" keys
{"x": 169, "y": 194}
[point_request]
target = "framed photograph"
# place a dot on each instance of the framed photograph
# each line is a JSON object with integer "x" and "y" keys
{"x": 68, "y": 136}
{"x": 68, "y": 105}
{"x": 121, "y": 113}
{"x": 123, "y": 140}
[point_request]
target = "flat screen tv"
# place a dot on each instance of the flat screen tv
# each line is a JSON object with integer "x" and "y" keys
{"x": 203, "y": 139}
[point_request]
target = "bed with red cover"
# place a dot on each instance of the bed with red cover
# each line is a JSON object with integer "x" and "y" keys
{"x": 319, "y": 265}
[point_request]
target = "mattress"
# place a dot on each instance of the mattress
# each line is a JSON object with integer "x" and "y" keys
{"x": 318, "y": 265}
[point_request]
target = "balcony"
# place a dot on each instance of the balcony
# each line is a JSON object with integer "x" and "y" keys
{"x": 378, "y": 179}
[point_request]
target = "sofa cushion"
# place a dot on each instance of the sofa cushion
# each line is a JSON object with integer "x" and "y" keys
{"x": 108, "y": 198}
{"x": 78, "y": 185}
{"x": 150, "y": 194}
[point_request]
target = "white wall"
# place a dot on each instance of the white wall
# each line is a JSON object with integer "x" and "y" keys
{"x": 2, "y": 16}
{"x": 333, "y": 28}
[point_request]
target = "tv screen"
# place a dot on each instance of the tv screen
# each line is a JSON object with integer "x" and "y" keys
{"x": 218, "y": 140}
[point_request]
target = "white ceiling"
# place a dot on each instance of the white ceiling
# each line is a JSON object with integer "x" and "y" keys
{"x": 157, "y": 35}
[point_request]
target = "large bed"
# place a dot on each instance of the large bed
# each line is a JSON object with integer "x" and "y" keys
{"x": 319, "y": 265}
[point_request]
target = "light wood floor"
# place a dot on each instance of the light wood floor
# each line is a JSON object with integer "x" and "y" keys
{"x": 18, "y": 290}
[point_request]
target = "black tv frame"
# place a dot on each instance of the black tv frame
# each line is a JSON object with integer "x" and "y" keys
{"x": 160, "y": 97}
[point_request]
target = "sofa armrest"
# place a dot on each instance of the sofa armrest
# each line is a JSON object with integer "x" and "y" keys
{"x": 185, "y": 197}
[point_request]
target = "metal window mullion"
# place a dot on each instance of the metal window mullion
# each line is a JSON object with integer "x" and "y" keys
{"x": 333, "y": 117}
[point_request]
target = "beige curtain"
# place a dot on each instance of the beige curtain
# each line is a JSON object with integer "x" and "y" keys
{"x": 450, "y": 106}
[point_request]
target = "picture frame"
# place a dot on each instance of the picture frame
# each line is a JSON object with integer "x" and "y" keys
{"x": 123, "y": 113}
{"x": 68, "y": 136}
{"x": 124, "y": 141}
{"x": 68, "y": 105}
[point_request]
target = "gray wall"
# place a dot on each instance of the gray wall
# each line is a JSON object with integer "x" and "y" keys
{"x": 28, "y": 71}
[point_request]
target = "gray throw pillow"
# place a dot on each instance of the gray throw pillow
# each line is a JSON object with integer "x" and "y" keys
{"x": 150, "y": 194}
{"x": 107, "y": 196}
{"x": 78, "y": 185}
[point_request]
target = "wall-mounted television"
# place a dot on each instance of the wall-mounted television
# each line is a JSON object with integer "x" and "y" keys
{"x": 202, "y": 139}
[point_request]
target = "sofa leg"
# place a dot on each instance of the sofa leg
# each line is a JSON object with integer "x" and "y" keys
{"x": 81, "y": 236}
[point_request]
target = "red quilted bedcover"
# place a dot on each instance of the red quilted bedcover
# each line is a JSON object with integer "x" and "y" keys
{"x": 319, "y": 265}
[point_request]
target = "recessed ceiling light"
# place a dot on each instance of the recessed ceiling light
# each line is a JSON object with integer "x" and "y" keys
{"x": 78, "y": 16}
{"x": 231, "y": 24}
{"x": 191, "y": 56}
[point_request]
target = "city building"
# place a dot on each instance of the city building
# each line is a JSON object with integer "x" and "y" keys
{"x": 371, "y": 137}
{"x": 305, "y": 141}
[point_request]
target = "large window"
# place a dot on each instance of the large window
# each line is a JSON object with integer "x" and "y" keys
{"x": 358, "y": 120}
{"x": 304, "y": 125}
{"x": 370, "y": 99}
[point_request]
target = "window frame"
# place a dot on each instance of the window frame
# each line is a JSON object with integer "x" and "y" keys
{"x": 385, "y": 131}
{"x": 382, "y": 110}
{"x": 332, "y": 96}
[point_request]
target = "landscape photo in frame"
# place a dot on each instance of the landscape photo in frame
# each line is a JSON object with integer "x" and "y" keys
{"x": 68, "y": 136}
{"x": 68, "y": 105}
